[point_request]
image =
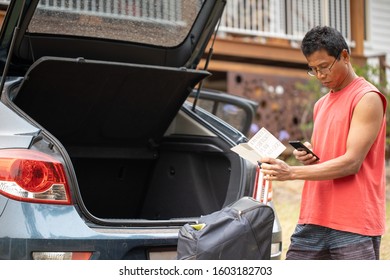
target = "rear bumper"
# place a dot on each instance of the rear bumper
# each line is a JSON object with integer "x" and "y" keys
{"x": 27, "y": 227}
{"x": 131, "y": 249}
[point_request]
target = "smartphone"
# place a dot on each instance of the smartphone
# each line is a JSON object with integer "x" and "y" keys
{"x": 300, "y": 147}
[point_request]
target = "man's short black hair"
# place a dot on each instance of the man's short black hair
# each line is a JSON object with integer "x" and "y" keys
{"x": 323, "y": 38}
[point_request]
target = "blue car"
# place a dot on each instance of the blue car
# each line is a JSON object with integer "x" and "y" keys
{"x": 104, "y": 154}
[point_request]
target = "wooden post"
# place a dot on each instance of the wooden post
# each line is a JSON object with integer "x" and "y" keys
{"x": 2, "y": 15}
{"x": 357, "y": 26}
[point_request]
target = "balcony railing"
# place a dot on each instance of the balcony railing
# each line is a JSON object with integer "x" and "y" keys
{"x": 286, "y": 19}
{"x": 165, "y": 11}
{"x": 162, "y": 11}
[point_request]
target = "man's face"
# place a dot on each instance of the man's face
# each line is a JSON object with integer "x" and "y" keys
{"x": 330, "y": 71}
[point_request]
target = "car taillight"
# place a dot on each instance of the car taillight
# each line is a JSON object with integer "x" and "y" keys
{"x": 32, "y": 176}
{"x": 263, "y": 188}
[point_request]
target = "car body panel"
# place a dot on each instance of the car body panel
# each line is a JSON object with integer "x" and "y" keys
{"x": 16, "y": 132}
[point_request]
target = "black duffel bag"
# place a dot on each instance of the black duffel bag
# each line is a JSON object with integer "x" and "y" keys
{"x": 240, "y": 231}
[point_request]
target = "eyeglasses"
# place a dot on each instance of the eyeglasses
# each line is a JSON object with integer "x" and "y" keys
{"x": 323, "y": 71}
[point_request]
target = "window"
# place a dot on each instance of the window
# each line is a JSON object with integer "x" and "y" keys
{"x": 156, "y": 22}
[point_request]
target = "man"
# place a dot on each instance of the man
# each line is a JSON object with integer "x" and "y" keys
{"x": 342, "y": 212}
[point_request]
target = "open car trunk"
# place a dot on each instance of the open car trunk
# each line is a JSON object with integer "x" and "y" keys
{"x": 112, "y": 119}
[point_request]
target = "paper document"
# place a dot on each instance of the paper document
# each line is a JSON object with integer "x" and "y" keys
{"x": 262, "y": 144}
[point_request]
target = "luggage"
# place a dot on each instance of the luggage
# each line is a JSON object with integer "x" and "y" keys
{"x": 240, "y": 231}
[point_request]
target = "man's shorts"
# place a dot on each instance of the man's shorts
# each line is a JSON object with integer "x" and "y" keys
{"x": 312, "y": 242}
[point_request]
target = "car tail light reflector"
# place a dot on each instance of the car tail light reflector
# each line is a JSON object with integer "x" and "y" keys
{"x": 61, "y": 255}
{"x": 263, "y": 188}
{"x": 32, "y": 176}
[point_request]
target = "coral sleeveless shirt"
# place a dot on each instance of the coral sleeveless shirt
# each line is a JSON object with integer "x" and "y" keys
{"x": 354, "y": 203}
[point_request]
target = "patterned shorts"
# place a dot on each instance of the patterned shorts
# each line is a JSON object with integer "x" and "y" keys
{"x": 312, "y": 242}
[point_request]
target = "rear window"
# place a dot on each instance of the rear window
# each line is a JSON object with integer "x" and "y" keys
{"x": 154, "y": 22}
